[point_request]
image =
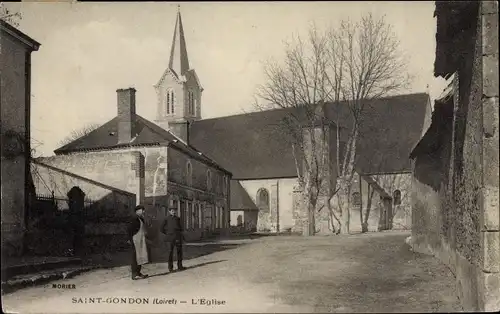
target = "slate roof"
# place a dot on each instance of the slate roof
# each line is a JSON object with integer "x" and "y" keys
{"x": 251, "y": 145}
{"x": 240, "y": 200}
{"x": 390, "y": 128}
{"x": 147, "y": 134}
{"x": 20, "y": 36}
{"x": 254, "y": 145}
{"x": 442, "y": 120}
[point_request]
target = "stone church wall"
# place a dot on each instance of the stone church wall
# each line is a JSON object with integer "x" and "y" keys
{"x": 280, "y": 209}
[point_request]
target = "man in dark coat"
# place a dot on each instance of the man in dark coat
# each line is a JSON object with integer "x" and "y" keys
{"x": 137, "y": 237}
{"x": 172, "y": 228}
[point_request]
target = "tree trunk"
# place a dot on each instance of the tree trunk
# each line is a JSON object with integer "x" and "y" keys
{"x": 311, "y": 221}
{"x": 346, "y": 213}
{"x": 361, "y": 221}
{"x": 371, "y": 192}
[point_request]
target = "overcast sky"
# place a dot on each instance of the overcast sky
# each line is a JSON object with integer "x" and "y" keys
{"x": 91, "y": 49}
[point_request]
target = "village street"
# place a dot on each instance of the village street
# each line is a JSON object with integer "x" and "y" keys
{"x": 373, "y": 272}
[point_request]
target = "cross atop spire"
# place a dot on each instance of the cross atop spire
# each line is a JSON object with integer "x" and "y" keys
{"x": 179, "y": 62}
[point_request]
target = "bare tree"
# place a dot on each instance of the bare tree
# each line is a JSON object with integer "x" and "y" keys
{"x": 299, "y": 86}
{"x": 76, "y": 134}
{"x": 347, "y": 66}
{"x": 9, "y": 16}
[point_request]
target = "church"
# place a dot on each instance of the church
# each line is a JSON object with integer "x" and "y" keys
{"x": 237, "y": 170}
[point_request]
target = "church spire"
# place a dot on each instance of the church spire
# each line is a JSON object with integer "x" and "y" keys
{"x": 179, "y": 62}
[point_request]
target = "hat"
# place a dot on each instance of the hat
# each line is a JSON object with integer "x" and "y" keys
{"x": 138, "y": 207}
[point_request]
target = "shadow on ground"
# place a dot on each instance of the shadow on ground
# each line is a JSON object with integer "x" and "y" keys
{"x": 159, "y": 251}
{"x": 189, "y": 268}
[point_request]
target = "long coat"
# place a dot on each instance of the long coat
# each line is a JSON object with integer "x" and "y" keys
{"x": 137, "y": 236}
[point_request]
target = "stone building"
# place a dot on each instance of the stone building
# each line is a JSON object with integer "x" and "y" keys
{"x": 203, "y": 153}
{"x": 15, "y": 55}
{"x": 456, "y": 164}
{"x": 175, "y": 173}
{"x": 255, "y": 149}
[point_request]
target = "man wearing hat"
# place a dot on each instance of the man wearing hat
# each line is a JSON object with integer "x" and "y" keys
{"x": 137, "y": 237}
{"x": 172, "y": 228}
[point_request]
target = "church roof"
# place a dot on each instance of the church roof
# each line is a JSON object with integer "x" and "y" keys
{"x": 240, "y": 200}
{"x": 254, "y": 145}
{"x": 146, "y": 134}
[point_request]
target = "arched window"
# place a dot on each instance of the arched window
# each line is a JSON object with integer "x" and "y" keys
{"x": 191, "y": 102}
{"x": 189, "y": 173}
{"x": 356, "y": 199}
{"x": 396, "y": 197}
{"x": 170, "y": 101}
{"x": 172, "y": 96}
{"x": 194, "y": 105}
{"x": 263, "y": 199}
{"x": 209, "y": 180}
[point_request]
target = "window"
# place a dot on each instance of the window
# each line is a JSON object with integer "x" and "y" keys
{"x": 263, "y": 199}
{"x": 219, "y": 217}
{"x": 194, "y": 105}
{"x": 173, "y": 203}
{"x": 196, "y": 216}
{"x": 216, "y": 217}
{"x": 170, "y": 101}
{"x": 191, "y": 102}
{"x": 213, "y": 221}
{"x": 188, "y": 218}
{"x": 396, "y": 197}
{"x": 201, "y": 215}
{"x": 189, "y": 173}
{"x": 222, "y": 217}
{"x": 181, "y": 209}
{"x": 356, "y": 199}
{"x": 209, "y": 180}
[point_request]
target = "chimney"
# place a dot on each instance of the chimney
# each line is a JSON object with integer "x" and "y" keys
{"x": 126, "y": 112}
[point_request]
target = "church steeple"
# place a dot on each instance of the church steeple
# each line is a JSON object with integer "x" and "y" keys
{"x": 179, "y": 89}
{"x": 179, "y": 62}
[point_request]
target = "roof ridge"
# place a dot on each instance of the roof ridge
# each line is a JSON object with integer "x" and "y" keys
{"x": 154, "y": 128}
{"x": 64, "y": 147}
{"x": 326, "y": 103}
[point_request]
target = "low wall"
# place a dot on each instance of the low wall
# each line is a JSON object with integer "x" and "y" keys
{"x": 104, "y": 213}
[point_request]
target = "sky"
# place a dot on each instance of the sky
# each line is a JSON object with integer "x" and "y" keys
{"x": 89, "y": 50}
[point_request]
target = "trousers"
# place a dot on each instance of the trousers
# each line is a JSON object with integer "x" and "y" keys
{"x": 174, "y": 243}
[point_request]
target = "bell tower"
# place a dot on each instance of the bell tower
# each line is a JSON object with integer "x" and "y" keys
{"x": 179, "y": 89}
